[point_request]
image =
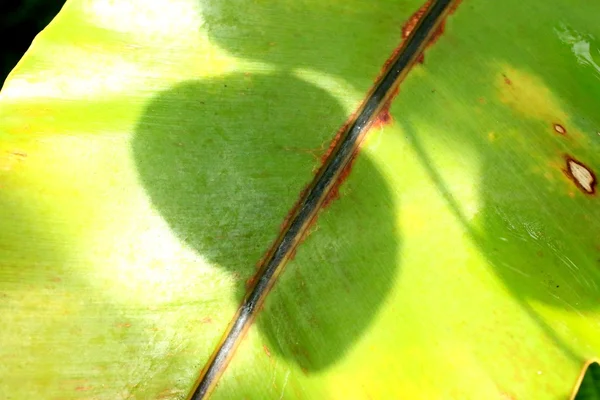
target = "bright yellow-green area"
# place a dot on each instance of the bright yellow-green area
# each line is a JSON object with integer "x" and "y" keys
{"x": 150, "y": 151}
{"x": 148, "y": 158}
{"x": 490, "y": 289}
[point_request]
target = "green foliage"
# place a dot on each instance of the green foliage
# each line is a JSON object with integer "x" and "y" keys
{"x": 590, "y": 385}
{"x": 20, "y": 21}
{"x": 149, "y": 155}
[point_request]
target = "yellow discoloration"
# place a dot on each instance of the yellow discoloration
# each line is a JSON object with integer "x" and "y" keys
{"x": 492, "y": 137}
{"x": 528, "y": 95}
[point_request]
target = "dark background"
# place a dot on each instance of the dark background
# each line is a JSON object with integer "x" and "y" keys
{"x": 20, "y": 22}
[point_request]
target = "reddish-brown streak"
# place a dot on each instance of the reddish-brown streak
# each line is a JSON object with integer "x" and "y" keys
{"x": 293, "y": 211}
{"x": 567, "y": 172}
{"x": 507, "y": 80}
{"x": 384, "y": 116}
{"x": 334, "y": 192}
{"x": 251, "y": 281}
{"x": 266, "y": 349}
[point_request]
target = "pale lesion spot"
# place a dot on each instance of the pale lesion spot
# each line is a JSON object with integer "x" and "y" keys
{"x": 583, "y": 177}
{"x": 558, "y": 128}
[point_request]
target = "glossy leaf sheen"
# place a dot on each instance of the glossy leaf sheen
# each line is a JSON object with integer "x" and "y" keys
{"x": 150, "y": 153}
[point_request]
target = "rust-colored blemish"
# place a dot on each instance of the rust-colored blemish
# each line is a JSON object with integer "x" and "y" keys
{"x": 414, "y": 19}
{"x": 19, "y": 153}
{"x": 206, "y": 320}
{"x": 251, "y": 281}
{"x": 334, "y": 193}
{"x": 83, "y": 388}
{"x": 558, "y": 128}
{"x": 384, "y": 116}
{"x": 540, "y": 253}
{"x": 295, "y": 208}
{"x": 124, "y": 325}
{"x": 507, "y": 79}
{"x": 580, "y": 174}
{"x": 266, "y": 350}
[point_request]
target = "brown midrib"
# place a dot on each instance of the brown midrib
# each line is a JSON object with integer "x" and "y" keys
{"x": 318, "y": 192}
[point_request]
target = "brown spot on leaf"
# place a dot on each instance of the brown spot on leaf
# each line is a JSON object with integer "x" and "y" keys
{"x": 266, "y": 350}
{"x": 507, "y": 79}
{"x": 19, "y": 153}
{"x": 558, "y": 128}
{"x": 414, "y": 20}
{"x": 251, "y": 281}
{"x": 384, "y": 116}
{"x": 583, "y": 177}
{"x": 82, "y": 388}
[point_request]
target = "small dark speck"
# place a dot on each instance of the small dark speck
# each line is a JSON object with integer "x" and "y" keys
{"x": 225, "y": 85}
{"x": 557, "y": 286}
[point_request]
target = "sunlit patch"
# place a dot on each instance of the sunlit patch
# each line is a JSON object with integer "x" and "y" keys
{"x": 81, "y": 71}
{"x": 580, "y": 46}
{"x": 161, "y": 20}
{"x": 77, "y": 73}
{"x": 124, "y": 246}
{"x": 528, "y": 95}
{"x": 448, "y": 189}
{"x": 337, "y": 87}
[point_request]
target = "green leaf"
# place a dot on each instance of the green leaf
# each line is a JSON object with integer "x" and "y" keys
{"x": 152, "y": 150}
{"x": 589, "y": 388}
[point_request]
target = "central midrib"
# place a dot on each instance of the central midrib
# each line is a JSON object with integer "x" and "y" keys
{"x": 344, "y": 149}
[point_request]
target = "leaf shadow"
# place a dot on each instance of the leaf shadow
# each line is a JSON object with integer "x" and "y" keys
{"x": 224, "y": 160}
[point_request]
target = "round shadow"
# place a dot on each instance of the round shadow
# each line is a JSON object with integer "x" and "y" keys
{"x": 538, "y": 253}
{"x": 224, "y": 160}
{"x": 346, "y": 38}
